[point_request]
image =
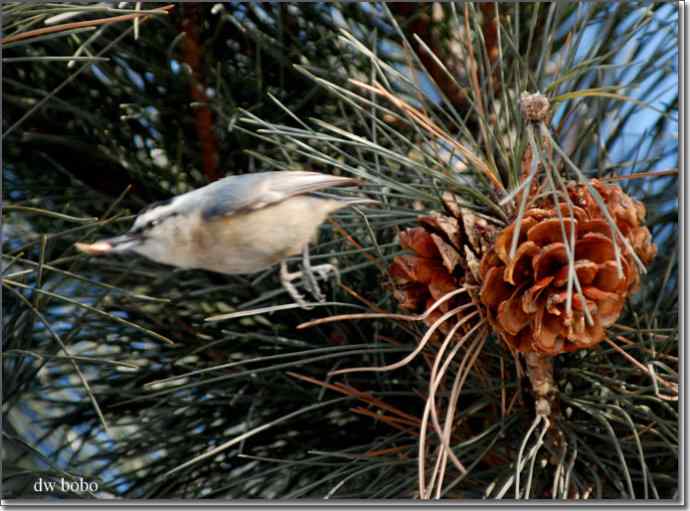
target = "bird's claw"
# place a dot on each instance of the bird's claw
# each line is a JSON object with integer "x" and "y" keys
{"x": 311, "y": 284}
{"x": 324, "y": 269}
{"x": 286, "y": 279}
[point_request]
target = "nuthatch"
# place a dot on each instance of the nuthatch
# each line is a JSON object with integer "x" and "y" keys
{"x": 239, "y": 224}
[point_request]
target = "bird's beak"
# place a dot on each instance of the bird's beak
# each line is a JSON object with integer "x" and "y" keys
{"x": 115, "y": 245}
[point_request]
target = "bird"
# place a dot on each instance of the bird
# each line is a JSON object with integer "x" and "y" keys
{"x": 241, "y": 224}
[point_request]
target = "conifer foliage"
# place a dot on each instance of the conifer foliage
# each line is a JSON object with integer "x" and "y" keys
{"x": 505, "y": 322}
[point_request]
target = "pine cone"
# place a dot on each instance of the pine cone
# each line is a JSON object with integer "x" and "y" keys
{"x": 525, "y": 296}
{"x": 446, "y": 252}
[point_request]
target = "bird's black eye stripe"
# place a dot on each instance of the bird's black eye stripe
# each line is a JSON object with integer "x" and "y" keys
{"x": 152, "y": 223}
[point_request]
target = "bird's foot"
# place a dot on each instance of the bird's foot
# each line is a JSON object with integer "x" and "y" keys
{"x": 308, "y": 275}
{"x": 286, "y": 279}
{"x": 310, "y": 282}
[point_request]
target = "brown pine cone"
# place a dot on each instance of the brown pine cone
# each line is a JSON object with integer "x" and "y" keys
{"x": 445, "y": 248}
{"x": 431, "y": 272}
{"x": 525, "y": 297}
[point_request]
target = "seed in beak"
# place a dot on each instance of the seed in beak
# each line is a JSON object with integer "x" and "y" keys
{"x": 98, "y": 248}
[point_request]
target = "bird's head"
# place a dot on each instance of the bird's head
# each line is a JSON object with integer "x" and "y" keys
{"x": 152, "y": 235}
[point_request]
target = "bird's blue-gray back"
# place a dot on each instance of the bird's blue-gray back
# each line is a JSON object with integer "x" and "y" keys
{"x": 249, "y": 192}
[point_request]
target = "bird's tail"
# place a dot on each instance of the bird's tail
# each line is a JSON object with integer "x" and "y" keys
{"x": 354, "y": 201}
{"x": 340, "y": 202}
{"x": 345, "y": 201}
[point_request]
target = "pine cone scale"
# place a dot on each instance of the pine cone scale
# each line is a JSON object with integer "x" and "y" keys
{"x": 521, "y": 265}
{"x": 550, "y": 260}
{"x": 550, "y": 231}
{"x": 511, "y": 315}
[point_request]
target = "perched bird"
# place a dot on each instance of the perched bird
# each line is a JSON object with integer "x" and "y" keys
{"x": 238, "y": 225}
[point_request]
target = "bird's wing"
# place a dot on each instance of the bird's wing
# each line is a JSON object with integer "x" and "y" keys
{"x": 249, "y": 192}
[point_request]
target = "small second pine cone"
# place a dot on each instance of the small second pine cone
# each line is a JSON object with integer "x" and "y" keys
{"x": 525, "y": 297}
{"x": 432, "y": 270}
{"x": 445, "y": 251}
